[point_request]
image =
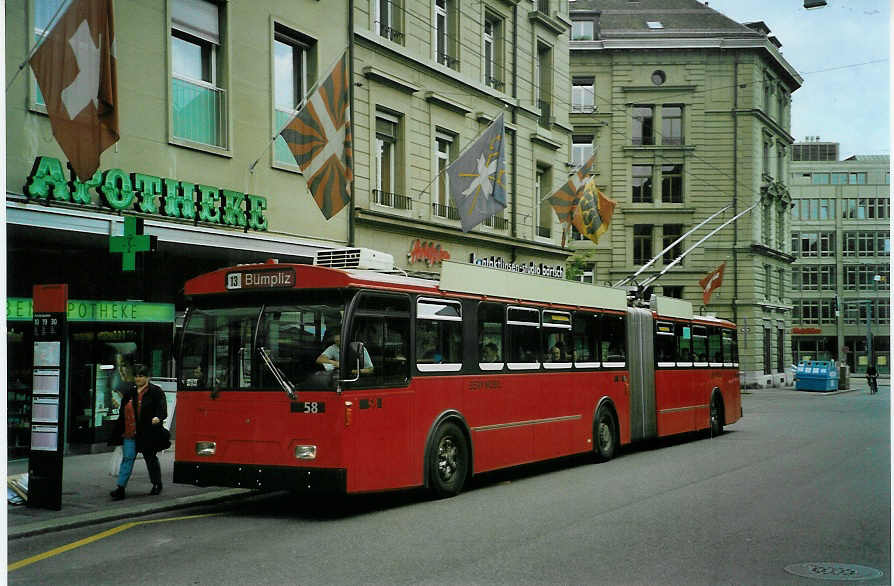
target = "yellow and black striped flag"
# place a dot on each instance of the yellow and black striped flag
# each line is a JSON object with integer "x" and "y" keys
{"x": 319, "y": 137}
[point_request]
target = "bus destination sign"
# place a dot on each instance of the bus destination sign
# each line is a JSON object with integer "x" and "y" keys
{"x": 261, "y": 279}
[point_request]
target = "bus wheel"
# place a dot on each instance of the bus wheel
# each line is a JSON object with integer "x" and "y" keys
{"x": 449, "y": 461}
{"x": 716, "y": 415}
{"x": 606, "y": 435}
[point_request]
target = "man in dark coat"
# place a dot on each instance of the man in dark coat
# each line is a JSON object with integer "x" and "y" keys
{"x": 140, "y": 429}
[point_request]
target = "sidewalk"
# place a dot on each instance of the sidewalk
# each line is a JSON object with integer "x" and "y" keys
{"x": 86, "y": 482}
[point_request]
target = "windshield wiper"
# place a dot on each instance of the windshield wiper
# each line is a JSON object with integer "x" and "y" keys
{"x": 280, "y": 377}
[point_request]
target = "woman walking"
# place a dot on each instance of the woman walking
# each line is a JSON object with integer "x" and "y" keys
{"x": 139, "y": 428}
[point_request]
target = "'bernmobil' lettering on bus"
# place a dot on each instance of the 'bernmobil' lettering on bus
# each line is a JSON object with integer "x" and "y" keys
{"x": 541, "y": 270}
{"x": 263, "y": 279}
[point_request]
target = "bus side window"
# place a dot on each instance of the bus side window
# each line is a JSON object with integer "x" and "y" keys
{"x": 700, "y": 345}
{"x": 557, "y": 346}
{"x": 683, "y": 337}
{"x": 586, "y": 340}
{"x": 728, "y": 340}
{"x": 491, "y": 318}
{"x": 664, "y": 344}
{"x": 439, "y": 331}
{"x": 611, "y": 341}
{"x": 715, "y": 346}
{"x": 382, "y": 323}
{"x": 523, "y": 339}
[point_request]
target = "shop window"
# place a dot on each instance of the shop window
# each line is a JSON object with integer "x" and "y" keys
{"x": 198, "y": 102}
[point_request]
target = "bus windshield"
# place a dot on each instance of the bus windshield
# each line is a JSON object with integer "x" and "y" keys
{"x": 221, "y": 346}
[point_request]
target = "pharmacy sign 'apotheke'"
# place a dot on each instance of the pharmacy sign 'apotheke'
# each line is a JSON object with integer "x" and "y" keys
{"x": 148, "y": 194}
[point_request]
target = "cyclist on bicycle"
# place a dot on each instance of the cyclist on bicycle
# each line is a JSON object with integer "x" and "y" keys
{"x": 872, "y": 378}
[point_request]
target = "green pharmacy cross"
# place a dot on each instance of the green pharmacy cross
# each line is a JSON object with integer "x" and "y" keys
{"x": 132, "y": 242}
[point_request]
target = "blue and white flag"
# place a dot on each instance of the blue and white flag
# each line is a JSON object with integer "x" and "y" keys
{"x": 477, "y": 177}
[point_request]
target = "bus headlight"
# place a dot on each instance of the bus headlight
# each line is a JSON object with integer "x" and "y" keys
{"x": 206, "y": 448}
{"x": 306, "y": 452}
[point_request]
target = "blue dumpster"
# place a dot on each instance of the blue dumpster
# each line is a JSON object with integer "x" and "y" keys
{"x": 816, "y": 375}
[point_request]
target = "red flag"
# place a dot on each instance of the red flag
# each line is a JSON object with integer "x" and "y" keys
{"x": 711, "y": 281}
{"x": 76, "y": 70}
{"x": 319, "y": 138}
{"x": 593, "y": 213}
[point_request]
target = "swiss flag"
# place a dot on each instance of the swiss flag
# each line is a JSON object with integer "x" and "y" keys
{"x": 76, "y": 70}
{"x": 711, "y": 281}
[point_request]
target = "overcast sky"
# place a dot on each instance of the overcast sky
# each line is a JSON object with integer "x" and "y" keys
{"x": 850, "y": 103}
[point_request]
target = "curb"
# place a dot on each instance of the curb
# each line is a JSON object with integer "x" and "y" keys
{"x": 93, "y": 518}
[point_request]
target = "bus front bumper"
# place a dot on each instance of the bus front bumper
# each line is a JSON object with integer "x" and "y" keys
{"x": 296, "y": 479}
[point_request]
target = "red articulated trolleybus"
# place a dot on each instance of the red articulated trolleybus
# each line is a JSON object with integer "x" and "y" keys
{"x": 343, "y": 376}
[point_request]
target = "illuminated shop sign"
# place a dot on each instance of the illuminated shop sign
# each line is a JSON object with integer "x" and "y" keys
{"x": 148, "y": 194}
{"x": 21, "y": 309}
{"x": 427, "y": 252}
{"x": 531, "y": 268}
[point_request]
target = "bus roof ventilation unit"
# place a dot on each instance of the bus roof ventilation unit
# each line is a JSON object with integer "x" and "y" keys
{"x": 355, "y": 258}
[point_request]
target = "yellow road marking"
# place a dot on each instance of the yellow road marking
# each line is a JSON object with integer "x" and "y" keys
{"x": 97, "y": 537}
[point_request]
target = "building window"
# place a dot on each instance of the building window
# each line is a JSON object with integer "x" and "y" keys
{"x": 493, "y": 52}
{"x": 583, "y": 95}
{"x": 838, "y": 178}
{"x": 675, "y": 291}
{"x": 780, "y": 162}
{"x": 581, "y": 149}
{"x": 813, "y": 244}
{"x": 768, "y": 278}
{"x": 642, "y": 243}
{"x": 582, "y": 30}
{"x": 765, "y": 159}
{"x": 672, "y": 183}
{"x": 44, "y": 10}
{"x": 643, "y": 121}
{"x": 445, "y": 33}
{"x": 444, "y": 144}
{"x": 857, "y": 178}
{"x": 671, "y": 125}
{"x": 291, "y": 53}
{"x": 198, "y": 105}
{"x": 544, "y": 209}
{"x": 543, "y": 72}
{"x": 642, "y": 183}
{"x": 780, "y": 274}
{"x": 387, "y": 127}
{"x": 388, "y": 14}
{"x": 819, "y": 178}
{"x": 670, "y": 233}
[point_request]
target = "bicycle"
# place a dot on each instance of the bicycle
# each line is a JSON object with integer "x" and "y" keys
{"x": 873, "y": 384}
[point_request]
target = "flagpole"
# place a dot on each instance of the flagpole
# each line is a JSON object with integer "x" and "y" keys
{"x": 675, "y": 242}
{"x": 696, "y": 245}
{"x": 37, "y": 45}
{"x": 301, "y": 104}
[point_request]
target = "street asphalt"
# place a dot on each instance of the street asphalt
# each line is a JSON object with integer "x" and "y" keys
{"x": 87, "y": 480}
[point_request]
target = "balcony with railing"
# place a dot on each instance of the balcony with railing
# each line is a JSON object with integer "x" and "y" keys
{"x": 448, "y": 60}
{"x": 444, "y": 211}
{"x": 392, "y": 200}
{"x": 497, "y": 223}
{"x": 199, "y": 112}
{"x": 391, "y": 33}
